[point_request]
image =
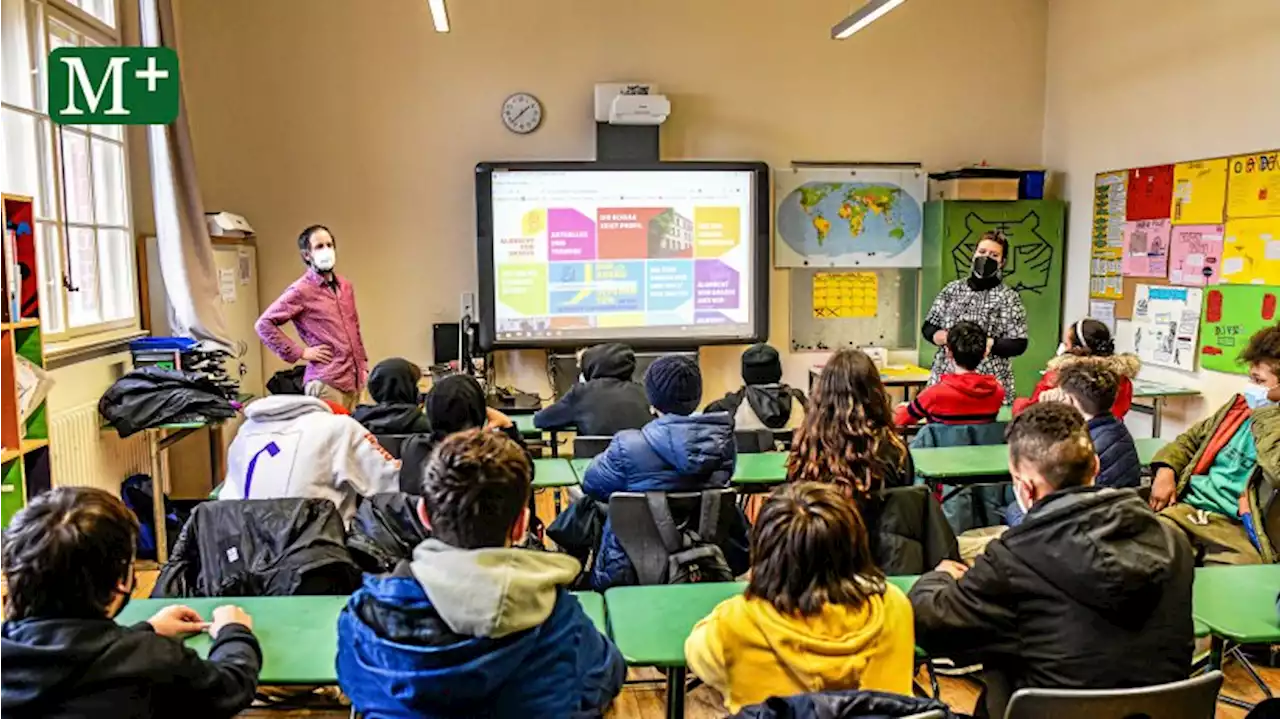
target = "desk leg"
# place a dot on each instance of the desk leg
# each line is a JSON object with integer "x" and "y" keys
{"x": 1157, "y": 406}
{"x": 157, "y": 498}
{"x": 555, "y": 444}
{"x": 675, "y": 692}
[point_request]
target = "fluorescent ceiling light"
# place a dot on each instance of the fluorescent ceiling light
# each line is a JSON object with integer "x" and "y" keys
{"x": 865, "y": 15}
{"x": 439, "y": 17}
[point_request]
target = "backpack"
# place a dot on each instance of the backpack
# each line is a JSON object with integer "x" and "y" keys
{"x": 690, "y": 558}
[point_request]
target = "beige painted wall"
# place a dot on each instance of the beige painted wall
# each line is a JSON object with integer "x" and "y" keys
{"x": 1125, "y": 84}
{"x": 357, "y": 115}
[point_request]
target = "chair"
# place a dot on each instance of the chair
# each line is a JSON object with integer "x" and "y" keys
{"x": 711, "y": 510}
{"x": 588, "y": 446}
{"x": 1194, "y": 698}
{"x": 392, "y": 442}
{"x": 968, "y": 505}
{"x": 753, "y": 441}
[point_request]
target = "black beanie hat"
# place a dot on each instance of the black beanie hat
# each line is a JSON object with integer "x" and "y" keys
{"x": 454, "y": 404}
{"x": 674, "y": 385}
{"x": 761, "y": 365}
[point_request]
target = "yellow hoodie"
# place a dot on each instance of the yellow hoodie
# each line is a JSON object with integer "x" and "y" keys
{"x": 749, "y": 651}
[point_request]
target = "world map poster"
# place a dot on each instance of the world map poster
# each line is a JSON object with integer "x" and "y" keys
{"x": 849, "y": 217}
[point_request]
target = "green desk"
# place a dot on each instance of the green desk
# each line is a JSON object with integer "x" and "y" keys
{"x": 1157, "y": 392}
{"x": 759, "y": 472}
{"x": 549, "y": 473}
{"x": 593, "y": 604}
{"x": 299, "y": 635}
{"x": 1238, "y": 606}
{"x": 988, "y": 463}
{"x": 580, "y": 467}
{"x": 1005, "y": 414}
{"x": 524, "y": 423}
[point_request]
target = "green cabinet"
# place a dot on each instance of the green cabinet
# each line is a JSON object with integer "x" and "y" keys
{"x": 1034, "y": 267}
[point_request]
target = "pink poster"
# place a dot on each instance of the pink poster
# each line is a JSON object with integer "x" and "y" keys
{"x": 1146, "y": 249}
{"x": 1195, "y": 254}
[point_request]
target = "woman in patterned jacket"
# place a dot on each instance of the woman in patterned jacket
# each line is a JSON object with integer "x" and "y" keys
{"x": 982, "y": 297}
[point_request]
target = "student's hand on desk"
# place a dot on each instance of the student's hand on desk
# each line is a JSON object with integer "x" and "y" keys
{"x": 955, "y": 569}
{"x": 319, "y": 353}
{"x": 229, "y": 614}
{"x": 1163, "y": 488}
{"x": 493, "y": 419}
{"x": 940, "y": 337}
{"x": 177, "y": 621}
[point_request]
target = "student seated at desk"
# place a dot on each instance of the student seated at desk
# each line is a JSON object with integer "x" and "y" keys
{"x": 678, "y": 452}
{"x": 68, "y": 565}
{"x": 472, "y": 626}
{"x": 964, "y": 396}
{"x": 1091, "y": 591}
{"x": 292, "y": 446}
{"x": 606, "y": 401}
{"x": 1091, "y": 389}
{"x": 817, "y": 614}
{"x": 393, "y": 385}
{"x": 1088, "y": 342}
{"x": 454, "y": 404}
{"x": 1208, "y": 482}
{"x": 764, "y": 402}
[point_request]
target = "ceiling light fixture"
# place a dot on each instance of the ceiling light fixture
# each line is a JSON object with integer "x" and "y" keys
{"x": 439, "y": 17}
{"x": 865, "y": 15}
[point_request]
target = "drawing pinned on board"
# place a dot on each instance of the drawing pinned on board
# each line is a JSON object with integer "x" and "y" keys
{"x": 1149, "y": 194}
{"x": 1109, "y": 197}
{"x": 1199, "y": 192}
{"x": 1250, "y": 255}
{"x": 1146, "y": 248}
{"x": 227, "y": 284}
{"x": 1165, "y": 325}
{"x": 838, "y": 295}
{"x": 1253, "y": 186}
{"x": 1195, "y": 254}
{"x": 1232, "y": 314}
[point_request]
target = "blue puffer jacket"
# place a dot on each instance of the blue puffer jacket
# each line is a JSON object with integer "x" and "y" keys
{"x": 673, "y": 453}
{"x": 1118, "y": 461}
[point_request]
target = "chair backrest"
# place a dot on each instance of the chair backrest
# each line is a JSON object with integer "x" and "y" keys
{"x": 1194, "y": 698}
{"x": 633, "y": 523}
{"x": 753, "y": 441}
{"x": 588, "y": 446}
{"x": 392, "y": 442}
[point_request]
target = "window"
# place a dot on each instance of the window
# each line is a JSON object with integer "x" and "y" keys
{"x": 76, "y": 173}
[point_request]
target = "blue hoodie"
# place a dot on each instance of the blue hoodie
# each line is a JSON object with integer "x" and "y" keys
{"x": 475, "y": 633}
{"x": 673, "y": 453}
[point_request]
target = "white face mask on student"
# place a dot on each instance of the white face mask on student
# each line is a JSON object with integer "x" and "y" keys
{"x": 324, "y": 258}
{"x": 1255, "y": 395}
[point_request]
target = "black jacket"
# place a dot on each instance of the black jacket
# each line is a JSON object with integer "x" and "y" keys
{"x": 607, "y": 402}
{"x": 416, "y": 450}
{"x": 153, "y": 396}
{"x": 393, "y": 385}
{"x": 384, "y": 531}
{"x": 1118, "y": 461}
{"x": 770, "y": 403}
{"x": 96, "y": 668}
{"x": 909, "y": 533}
{"x": 851, "y": 704}
{"x": 260, "y": 547}
{"x": 1091, "y": 591}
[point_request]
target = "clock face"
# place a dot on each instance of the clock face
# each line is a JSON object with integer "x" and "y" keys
{"x": 522, "y": 113}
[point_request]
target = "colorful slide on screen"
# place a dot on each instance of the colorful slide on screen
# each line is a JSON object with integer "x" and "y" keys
{"x": 617, "y": 255}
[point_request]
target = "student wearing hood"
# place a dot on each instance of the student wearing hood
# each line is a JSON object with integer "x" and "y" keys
{"x": 393, "y": 385}
{"x": 455, "y": 404}
{"x": 763, "y": 402}
{"x": 606, "y": 401}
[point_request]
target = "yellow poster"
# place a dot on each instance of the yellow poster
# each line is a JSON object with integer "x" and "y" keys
{"x": 1253, "y": 187}
{"x": 839, "y": 295}
{"x": 1199, "y": 192}
{"x": 1251, "y": 252}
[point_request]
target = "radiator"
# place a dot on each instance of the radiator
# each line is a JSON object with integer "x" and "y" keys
{"x": 82, "y": 454}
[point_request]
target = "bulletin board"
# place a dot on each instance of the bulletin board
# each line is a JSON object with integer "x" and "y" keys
{"x": 831, "y": 309}
{"x": 1232, "y": 314}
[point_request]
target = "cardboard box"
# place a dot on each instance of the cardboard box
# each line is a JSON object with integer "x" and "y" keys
{"x": 974, "y": 188}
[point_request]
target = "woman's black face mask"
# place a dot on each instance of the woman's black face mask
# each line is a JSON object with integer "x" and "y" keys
{"x": 984, "y": 268}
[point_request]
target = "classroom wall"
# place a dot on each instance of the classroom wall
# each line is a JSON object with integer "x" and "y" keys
{"x": 359, "y": 116}
{"x": 1146, "y": 82}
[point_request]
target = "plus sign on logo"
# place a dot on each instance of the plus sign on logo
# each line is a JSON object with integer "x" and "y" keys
{"x": 113, "y": 85}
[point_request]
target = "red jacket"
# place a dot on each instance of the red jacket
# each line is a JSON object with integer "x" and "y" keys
{"x": 956, "y": 399}
{"x": 1124, "y": 365}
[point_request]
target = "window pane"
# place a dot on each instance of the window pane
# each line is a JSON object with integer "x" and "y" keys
{"x": 59, "y": 36}
{"x": 47, "y": 200}
{"x": 75, "y": 177}
{"x": 115, "y": 260}
{"x": 21, "y": 170}
{"x": 49, "y": 257}
{"x": 83, "y": 305}
{"x": 108, "y": 183}
{"x": 15, "y": 54}
{"x": 115, "y": 132}
{"x": 104, "y": 10}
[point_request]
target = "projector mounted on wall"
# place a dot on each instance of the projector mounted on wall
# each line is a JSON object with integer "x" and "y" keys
{"x": 631, "y": 103}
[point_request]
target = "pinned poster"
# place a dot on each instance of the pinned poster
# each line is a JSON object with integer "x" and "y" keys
{"x": 1199, "y": 192}
{"x": 839, "y": 295}
{"x": 1146, "y": 248}
{"x": 1150, "y": 193}
{"x": 1251, "y": 251}
{"x": 1253, "y": 186}
{"x": 1109, "y": 192}
{"x": 1104, "y": 311}
{"x": 1232, "y": 314}
{"x": 1195, "y": 254}
{"x": 1165, "y": 326}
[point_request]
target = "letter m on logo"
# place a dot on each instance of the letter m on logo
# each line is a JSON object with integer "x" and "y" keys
{"x": 113, "y": 85}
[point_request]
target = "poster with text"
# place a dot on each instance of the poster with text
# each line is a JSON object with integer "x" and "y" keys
{"x": 1253, "y": 186}
{"x": 1232, "y": 314}
{"x": 1146, "y": 248}
{"x": 1107, "y": 240}
{"x": 1199, "y": 192}
{"x": 1150, "y": 192}
{"x": 1251, "y": 251}
{"x": 1195, "y": 255}
{"x": 1165, "y": 325}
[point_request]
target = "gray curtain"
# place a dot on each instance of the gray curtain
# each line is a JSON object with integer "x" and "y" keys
{"x": 186, "y": 253}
